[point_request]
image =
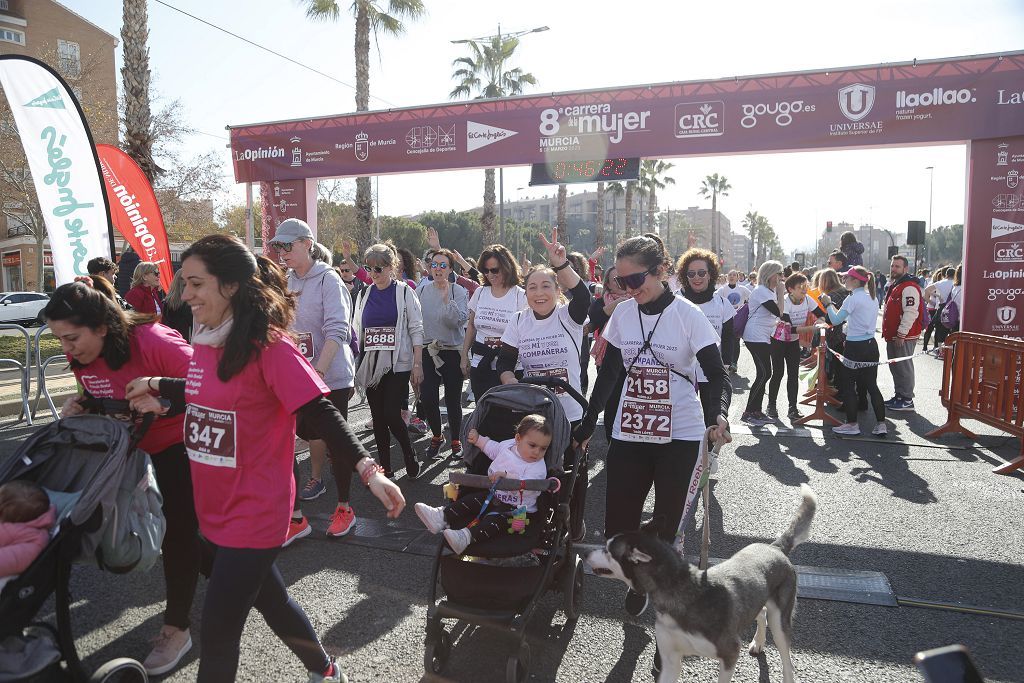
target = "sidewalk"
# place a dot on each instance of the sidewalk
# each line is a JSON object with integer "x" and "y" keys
{"x": 59, "y": 382}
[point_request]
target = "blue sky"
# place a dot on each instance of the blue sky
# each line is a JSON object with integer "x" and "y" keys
{"x": 222, "y": 80}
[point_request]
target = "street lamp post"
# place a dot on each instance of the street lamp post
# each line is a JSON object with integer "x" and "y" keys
{"x": 931, "y": 187}
{"x": 501, "y": 88}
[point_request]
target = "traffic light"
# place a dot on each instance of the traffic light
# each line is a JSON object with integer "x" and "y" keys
{"x": 828, "y": 226}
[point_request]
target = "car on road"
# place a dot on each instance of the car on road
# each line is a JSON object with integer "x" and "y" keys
{"x": 22, "y": 307}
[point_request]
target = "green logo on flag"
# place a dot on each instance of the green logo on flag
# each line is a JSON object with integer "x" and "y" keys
{"x": 49, "y": 100}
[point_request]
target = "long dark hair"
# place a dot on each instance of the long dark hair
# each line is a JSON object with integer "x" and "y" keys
{"x": 79, "y": 304}
{"x": 511, "y": 275}
{"x": 262, "y": 306}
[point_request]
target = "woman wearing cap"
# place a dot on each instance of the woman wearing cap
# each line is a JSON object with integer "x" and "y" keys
{"x": 860, "y": 314}
{"x": 247, "y": 384}
{"x": 322, "y": 331}
{"x": 765, "y": 305}
{"x": 144, "y": 296}
{"x": 388, "y": 323}
{"x": 655, "y": 338}
{"x": 443, "y": 304}
{"x": 490, "y": 309}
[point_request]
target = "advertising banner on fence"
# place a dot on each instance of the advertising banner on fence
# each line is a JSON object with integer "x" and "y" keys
{"x": 134, "y": 210}
{"x": 283, "y": 199}
{"x": 59, "y": 150}
{"x": 994, "y": 239}
{"x": 949, "y": 100}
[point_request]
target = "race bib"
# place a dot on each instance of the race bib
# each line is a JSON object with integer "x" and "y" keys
{"x": 646, "y": 411}
{"x": 210, "y": 436}
{"x": 305, "y": 343}
{"x": 493, "y": 342}
{"x": 379, "y": 339}
{"x": 560, "y": 373}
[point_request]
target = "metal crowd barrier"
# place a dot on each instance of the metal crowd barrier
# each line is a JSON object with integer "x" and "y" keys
{"x": 25, "y": 369}
{"x": 981, "y": 380}
{"x": 41, "y": 365}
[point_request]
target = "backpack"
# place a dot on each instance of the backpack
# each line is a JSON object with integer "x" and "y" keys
{"x": 739, "y": 323}
{"x": 950, "y": 316}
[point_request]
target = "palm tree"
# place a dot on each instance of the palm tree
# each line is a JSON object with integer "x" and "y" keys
{"x": 630, "y": 189}
{"x": 484, "y": 74}
{"x": 715, "y": 185}
{"x": 753, "y": 222}
{"x": 652, "y": 176}
{"x": 616, "y": 190}
{"x": 138, "y": 118}
{"x": 370, "y": 17}
{"x": 600, "y": 218}
{"x": 560, "y": 211}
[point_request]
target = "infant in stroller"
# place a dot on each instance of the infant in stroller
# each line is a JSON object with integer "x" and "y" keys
{"x": 26, "y": 518}
{"x": 484, "y": 515}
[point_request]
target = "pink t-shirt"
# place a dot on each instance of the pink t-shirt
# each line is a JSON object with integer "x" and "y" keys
{"x": 240, "y": 437}
{"x": 156, "y": 351}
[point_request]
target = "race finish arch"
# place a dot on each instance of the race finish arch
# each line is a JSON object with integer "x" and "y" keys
{"x": 975, "y": 100}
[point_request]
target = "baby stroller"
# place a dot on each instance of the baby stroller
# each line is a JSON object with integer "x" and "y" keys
{"x": 92, "y": 471}
{"x": 546, "y": 545}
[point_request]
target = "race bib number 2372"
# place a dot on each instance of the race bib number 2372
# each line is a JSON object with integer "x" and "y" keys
{"x": 210, "y": 436}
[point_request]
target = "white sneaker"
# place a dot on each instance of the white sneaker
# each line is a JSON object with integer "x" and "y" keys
{"x": 168, "y": 648}
{"x": 432, "y": 518}
{"x": 849, "y": 429}
{"x": 880, "y": 429}
{"x": 458, "y": 539}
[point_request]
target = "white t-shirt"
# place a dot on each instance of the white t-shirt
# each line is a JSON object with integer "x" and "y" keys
{"x": 761, "y": 322}
{"x": 491, "y": 315}
{"x": 942, "y": 289}
{"x": 549, "y": 347}
{"x": 681, "y": 332}
{"x": 798, "y": 312}
{"x": 737, "y": 296}
{"x": 718, "y": 311}
{"x": 506, "y": 459}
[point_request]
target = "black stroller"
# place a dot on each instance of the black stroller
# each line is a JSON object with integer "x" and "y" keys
{"x": 469, "y": 586}
{"x": 81, "y": 461}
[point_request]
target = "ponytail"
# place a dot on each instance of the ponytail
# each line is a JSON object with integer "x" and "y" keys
{"x": 648, "y": 250}
{"x": 871, "y": 285}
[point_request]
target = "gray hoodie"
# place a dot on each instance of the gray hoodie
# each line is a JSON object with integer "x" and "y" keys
{"x": 324, "y": 311}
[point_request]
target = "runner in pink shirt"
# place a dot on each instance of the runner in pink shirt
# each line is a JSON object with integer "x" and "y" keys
{"x": 246, "y": 386}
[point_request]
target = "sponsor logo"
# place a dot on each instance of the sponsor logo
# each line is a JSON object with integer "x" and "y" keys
{"x": 296, "y": 151}
{"x": 61, "y": 175}
{"x": 1002, "y": 274}
{"x": 259, "y": 153}
{"x": 1002, "y": 155}
{"x": 1008, "y": 202}
{"x": 1001, "y": 228}
{"x": 1010, "y": 98}
{"x": 562, "y": 128}
{"x": 1006, "y": 314}
{"x": 427, "y": 139}
{"x": 1008, "y": 252}
{"x": 700, "y": 119}
{"x": 1012, "y": 178}
{"x": 1011, "y": 294}
{"x": 362, "y": 147}
{"x": 782, "y": 111}
{"x": 856, "y": 101}
{"x": 480, "y": 135}
{"x": 932, "y": 98}
{"x": 50, "y": 99}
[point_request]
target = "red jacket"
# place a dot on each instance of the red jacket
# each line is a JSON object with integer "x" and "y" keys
{"x": 144, "y": 299}
{"x": 901, "y": 315}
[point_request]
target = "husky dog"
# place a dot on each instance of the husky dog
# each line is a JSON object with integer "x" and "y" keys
{"x": 704, "y": 612}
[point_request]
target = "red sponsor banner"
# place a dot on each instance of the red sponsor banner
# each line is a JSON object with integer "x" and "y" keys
{"x": 949, "y": 100}
{"x": 994, "y": 239}
{"x": 12, "y": 258}
{"x": 47, "y": 259}
{"x": 134, "y": 209}
{"x": 283, "y": 199}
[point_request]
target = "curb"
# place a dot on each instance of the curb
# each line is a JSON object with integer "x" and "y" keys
{"x": 11, "y": 406}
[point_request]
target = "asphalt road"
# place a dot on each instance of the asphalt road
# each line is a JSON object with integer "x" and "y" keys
{"x": 930, "y": 515}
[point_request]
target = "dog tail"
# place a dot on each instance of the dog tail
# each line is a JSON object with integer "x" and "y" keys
{"x": 800, "y": 528}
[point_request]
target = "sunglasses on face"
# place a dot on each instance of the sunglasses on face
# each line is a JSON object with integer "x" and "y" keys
{"x": 490, "y": 271}
{"x": 696, "y": 273}
{"x": 345, "y": 270}
{"x": 282, "y": 246}
{"x": 634, "y": 280}
{"x": 376, "y": 269}
{"x": 442, "y": 266}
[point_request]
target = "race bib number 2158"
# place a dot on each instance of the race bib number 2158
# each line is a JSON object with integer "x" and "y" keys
{"x": 210, "y": 436}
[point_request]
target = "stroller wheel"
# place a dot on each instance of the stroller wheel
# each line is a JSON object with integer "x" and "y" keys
{"x": 122, "y": 670}
{"x": 437, "y": 650}
{"x": 572, "y": 589}
{"x": 518, "y": 668}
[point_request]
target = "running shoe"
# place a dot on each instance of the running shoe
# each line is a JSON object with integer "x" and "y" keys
{"x": 764, "y": 418}
{"x": 313, "y": 489}
{"x": 434, "y": 449}
{"x": 456, "y": 448}
{"x": 902, "y": 404}
{"x": 297, "y": 528}
{"x": 892, "y": 401}
{"x": 847, "y": 429}
{"x": 342, "y": 520}
{"x": 168, "y": 648}
{"x": 332, "y": 675}
{"x": 794, "y": 413}
{"x": 458, "y": 539}
{"x": 750, "y": 417}
{"x": 417, "y": 425}
{"x": 432, "y": 518}
{"x": 772, "y": 413}
{"x": 413, "y": 469}
{"x": 880, "y": 430}
{"x": 635, "y": 603}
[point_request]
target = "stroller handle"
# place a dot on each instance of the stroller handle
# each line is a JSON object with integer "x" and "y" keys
{"x": 557, "y": 382}
{"x": 481, "y": 482}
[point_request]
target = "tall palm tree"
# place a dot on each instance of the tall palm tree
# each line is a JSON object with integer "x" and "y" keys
{"x": 560, "y": 211}
{"x": 138, "y": 118}
{"x": 715, "y": 185}
{"x": 370, "y": 17}
{"x": 653, "y": 178}
{"x": 484, "y": 75}
{"x": 599, "y": 219}
{"x": 616, "y": 190}
{"x": 752, "y": 222}
{"x": 627, "y": 231}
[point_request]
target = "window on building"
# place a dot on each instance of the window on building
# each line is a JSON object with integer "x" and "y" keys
{"x": 9, "y": 35}
{"x": 69, "y": 58}
{"x": 5, "y": 5}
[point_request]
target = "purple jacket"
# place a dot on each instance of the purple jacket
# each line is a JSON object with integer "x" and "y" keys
{"x": 21, "y": 542}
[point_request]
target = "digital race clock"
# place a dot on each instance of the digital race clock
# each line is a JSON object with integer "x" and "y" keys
{"x": 590, "y": 171}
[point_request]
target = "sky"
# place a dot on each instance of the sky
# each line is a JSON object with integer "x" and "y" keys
{"x": 222, "y": 80}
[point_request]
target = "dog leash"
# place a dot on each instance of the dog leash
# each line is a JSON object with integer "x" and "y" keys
{"x": 699, "y": 481}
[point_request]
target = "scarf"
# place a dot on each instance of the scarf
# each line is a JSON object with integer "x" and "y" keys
{"x": 212, "y": 336}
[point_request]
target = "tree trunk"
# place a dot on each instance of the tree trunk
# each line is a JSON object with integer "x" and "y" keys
{"x": 716, "y": 239}
{"x": 138, "y": 119}
{"x": 560, "y": 218}
{"x": 615, "y": 223}
{"x": 364, "y": 195}
{"x": 652, "y": 208}
{"x": 487, "y": 218}
{"x": 599, "y": 221}
{"x": 627, "y": 232}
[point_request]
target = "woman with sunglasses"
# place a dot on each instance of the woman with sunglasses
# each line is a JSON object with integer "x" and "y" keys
{"x": 490, "y": 309}
{"x": 322, "y": 331}
{"x": 765, "y": 304}
{"x": 388, "y": 323}
{"x": 600, "y": 311}
{"x": 655, "y": 338}
{"x": 697, "y": 272}
{"x": 444, "y": 318}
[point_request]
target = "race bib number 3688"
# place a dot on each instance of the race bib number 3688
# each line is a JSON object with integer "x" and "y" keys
{"x": 210, "y": 436}
{"x": 379, "y": 339}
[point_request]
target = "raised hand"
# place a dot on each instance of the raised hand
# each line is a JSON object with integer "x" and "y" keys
{"x": 598, "y": 253}
{"x": 460, "y": 260}
{"x": 433, "y": 241}
{"x": 556, "y": 250}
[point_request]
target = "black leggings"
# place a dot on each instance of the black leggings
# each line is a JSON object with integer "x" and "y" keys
{"x": 451, "y": 376}
{"x": 342, "y": 474}
{"x": 860, "y": 380}
{"x": 387, "y": 401}
{"x": 785, "y": 359}
{"x": 180, "y": 549}
{"x": 494, "y": 522}
{"x": 240, "y": 579}
{"x": 632, "y": 469}
{"x": 761, "y": 353}
{"x": 482, "y": 378}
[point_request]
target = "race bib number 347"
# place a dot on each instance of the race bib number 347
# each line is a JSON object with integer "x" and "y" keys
{"x": 210, "y": 436}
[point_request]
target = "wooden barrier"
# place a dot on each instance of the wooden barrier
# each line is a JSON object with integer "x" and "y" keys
{"x": 981, "y": 379}
{"x": 821, "y": 394}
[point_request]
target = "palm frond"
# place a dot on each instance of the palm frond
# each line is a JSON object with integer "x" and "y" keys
{"x": 321, "y": 10}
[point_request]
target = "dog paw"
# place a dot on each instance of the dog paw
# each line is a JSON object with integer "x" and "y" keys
{"x": 755, "y": 649}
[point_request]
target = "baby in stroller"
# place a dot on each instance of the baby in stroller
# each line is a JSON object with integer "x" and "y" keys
{"x": 26, "y": 518}
{"x": 484, "y": 515}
